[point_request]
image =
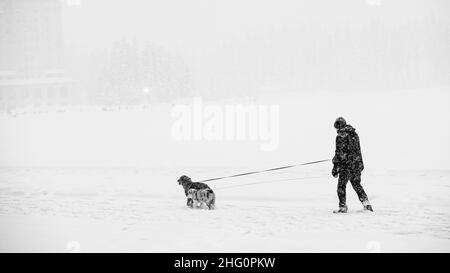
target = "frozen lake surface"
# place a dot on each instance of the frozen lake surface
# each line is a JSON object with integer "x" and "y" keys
{"x": 142, "y": 208}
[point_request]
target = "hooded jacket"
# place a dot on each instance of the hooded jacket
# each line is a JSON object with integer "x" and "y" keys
{"x": 348, "y": 151}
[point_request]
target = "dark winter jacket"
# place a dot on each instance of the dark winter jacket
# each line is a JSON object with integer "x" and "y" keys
{"x": 348, "y": 151}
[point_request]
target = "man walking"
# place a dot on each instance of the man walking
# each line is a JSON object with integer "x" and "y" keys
{"x": 348, "y": 164}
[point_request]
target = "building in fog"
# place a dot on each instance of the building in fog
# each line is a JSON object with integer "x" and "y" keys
{"x": 31, "y": 55}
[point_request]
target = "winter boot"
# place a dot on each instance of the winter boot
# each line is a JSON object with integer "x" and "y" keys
{"x": 341, "y": 210}
{"x": 367, "y": 206}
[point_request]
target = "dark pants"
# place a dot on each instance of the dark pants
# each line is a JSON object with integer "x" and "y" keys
{"x": 355, "y": 180}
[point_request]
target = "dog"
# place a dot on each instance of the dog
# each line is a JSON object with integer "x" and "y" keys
{"x": 197, "y": 193}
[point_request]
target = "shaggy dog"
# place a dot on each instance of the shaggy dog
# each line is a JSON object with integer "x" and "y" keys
{"x": 197, "y": 193}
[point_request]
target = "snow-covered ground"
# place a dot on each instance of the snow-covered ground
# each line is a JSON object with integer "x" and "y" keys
{"x": 123, "y": 196}
{"x": 48, "y": 209}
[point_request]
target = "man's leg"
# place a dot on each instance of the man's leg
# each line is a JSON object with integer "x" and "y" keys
{"x": 341, "y": 188}
{"x": 355, "y": 180}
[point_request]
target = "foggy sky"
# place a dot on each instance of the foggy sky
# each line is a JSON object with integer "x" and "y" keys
{"x": 200, "y": 23}
{"x": 257, "y": 45}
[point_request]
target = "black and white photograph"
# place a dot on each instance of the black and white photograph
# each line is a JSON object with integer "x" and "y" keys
{"x": 224, "y": 126}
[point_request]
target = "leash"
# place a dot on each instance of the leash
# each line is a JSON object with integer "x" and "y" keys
{"x": 267, "y": 170}
{"x": 271, "y": 181}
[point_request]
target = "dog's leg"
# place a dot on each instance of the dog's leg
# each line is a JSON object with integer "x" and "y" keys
{"x": 211, "y": 204}
{"x": 190, "y": 202}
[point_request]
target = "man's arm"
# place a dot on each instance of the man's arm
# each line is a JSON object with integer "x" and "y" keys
{"x": 336, "y": 160}
{"x": 358, "y": 156}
